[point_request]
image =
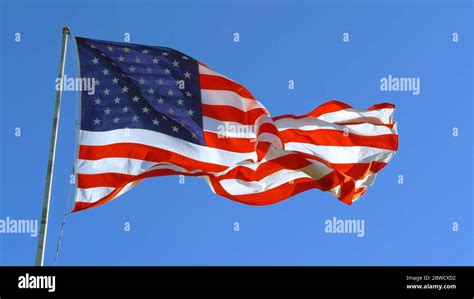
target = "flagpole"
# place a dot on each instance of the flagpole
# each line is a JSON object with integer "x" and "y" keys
{"x": 52, "y": 153}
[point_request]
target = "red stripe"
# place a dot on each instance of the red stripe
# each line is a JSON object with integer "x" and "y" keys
{"x": 268, "y": 128}
{"x": 144, "y": 152}
{"x": 229, "y": 113}
{"x": 382, "y": 106}
{"x": 338, "y": 138}
{"x": 220, "y": 83}
{"x": 331, "y": 106}
{"x": 287, "y": 190}
{"x": 108, "y": 179}
{"x": 359, "y": 171}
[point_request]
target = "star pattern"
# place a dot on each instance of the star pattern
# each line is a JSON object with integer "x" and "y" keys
{"x": 141, "y": 87}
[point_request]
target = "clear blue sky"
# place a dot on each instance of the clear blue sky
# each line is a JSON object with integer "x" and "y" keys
{"x": 174, "y": 224}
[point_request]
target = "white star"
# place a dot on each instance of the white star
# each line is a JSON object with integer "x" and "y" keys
{"x": 155, "y": 60}
{"x": 125, "y": 89}
{"x": 135, "y": 118}
{"x": 116, "y": 120}
{"x": 92, "y": 46}
{"x": 187, "y": 75}
{"x": 175, "y": 129}
{"x": 135, "y": 99}
{"x": 171, "y": 111}
{"x": 149, "y": 70}
{"x": 107, "y": 111}
{"x": 164, "y": 117}
{"x": 156, "y": 122}
{"x": 121, "y": 58}
{"x": 167, "y": 71}
{"x": 145, "y": 51}
{"x": 115, "y": 80}
{"x": 194, "y": 135}
{"x": 131, "y": 69}
{"x": 190, "y": 112}
{"x": 110, "y": 48}
{"x": 97, "y": 82}
{"x": 175, "y": 63}
{"x": 105, "y": 72}
{"x": 160, "y": 101}
{"x": 142, "y": 81}
{"x": 95, "y": 60}
{"x": 164, "y": 53}
{"x": 98, "y": 101}
{"x": 188, "y": 94}
{"x": 137, "y": 60}
{"x": 180, "y": 102}
{"x": 185, "y": 57}
{"x": 170, "y": 92}
{"x": 96, "y": 121}
{"x": 126, "y": 50}
{"x": 161, "y": 82}
{"x": 117, "y": 100}
{"x": 125, "y": 109}
{"x": 145, "y": 110}
{"x": 107, "y": 91}
{"x": 151, "y": 91}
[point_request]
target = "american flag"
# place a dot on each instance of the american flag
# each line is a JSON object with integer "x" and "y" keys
{"x": 157, "y": 111}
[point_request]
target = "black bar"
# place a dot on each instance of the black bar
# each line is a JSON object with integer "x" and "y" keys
{"x": 348, "y": 282}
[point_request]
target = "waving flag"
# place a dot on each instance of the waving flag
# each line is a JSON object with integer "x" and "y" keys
{"x": 157, "y": 111}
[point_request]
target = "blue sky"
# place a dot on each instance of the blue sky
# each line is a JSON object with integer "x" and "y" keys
{"x": 186, "y": 224}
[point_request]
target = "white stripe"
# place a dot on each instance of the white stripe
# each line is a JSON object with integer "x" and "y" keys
{"x": 342, "y": 154}
{"x": 367, "y": 181}
{"x": 95, "y": 194}
{"x": 311, "y": 124}
{"x": 272, "y": 154}
{"x": 227, "y": 128}
{"x": 163, "y": 141}
{"x": 352, "y": 115}
{"x": 122, "y": 165}
{"x": 92, "y": 194}
{"x": 228, "y": 98}
{"x": 239, "y": 187}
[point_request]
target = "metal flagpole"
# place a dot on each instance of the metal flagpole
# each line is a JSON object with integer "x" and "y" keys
{"x": 52, "y": 152}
